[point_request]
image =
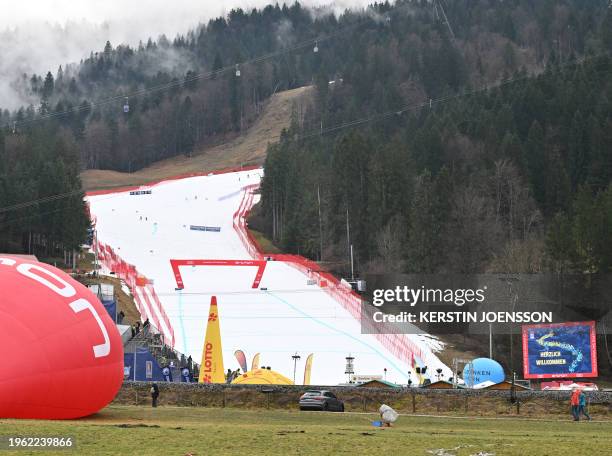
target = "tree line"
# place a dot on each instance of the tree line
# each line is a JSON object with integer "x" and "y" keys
{"x": 189, "y": 95}
{"x": 391, "y": 53}
{"x": 512, "y": 179}
{"x": 39, "y": 165}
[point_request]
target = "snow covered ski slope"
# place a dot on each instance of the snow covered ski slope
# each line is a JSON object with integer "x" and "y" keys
{"x": 178, "y": 242}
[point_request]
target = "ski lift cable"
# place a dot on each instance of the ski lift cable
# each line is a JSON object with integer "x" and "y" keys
{"x": 426, "y": 104}
{"x": 169, "y": 85}
{"x": 48, "y": 199}
{"x": 200, "y": 76}
{"x": 8, "y": 222}
{"x": 196, "y": 77}
{"x": 446, "y": 21}
{"x": 334, "y": 128}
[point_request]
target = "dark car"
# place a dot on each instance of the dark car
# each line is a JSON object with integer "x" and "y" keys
{"x": 321, "y": 400}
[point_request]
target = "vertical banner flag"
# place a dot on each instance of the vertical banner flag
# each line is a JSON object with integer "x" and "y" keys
{"x": 241, "y": 358}
{"x": 185, "y": 375}
{"x": 255, "y": 363}
{"x": 167, "y": 373}
{"x": 211, "y": 370}
{"x": 308, "y": 369}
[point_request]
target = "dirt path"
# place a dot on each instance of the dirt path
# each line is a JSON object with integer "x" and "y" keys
{"x": 247, "y": 149}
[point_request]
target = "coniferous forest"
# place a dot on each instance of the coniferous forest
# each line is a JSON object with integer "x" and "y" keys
{"x": 511, "y": 179}
{"x": 483, "y": 144}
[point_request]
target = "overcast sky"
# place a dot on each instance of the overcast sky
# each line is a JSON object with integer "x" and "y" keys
{"x": 130, "y": 20}
{"x": 40, "y": 35}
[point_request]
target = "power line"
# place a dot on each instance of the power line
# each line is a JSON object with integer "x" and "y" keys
{"x": 46, "y": 199}
{"x": 28, "y": 217}
{"x": 425, "y": 104}
{"x": 39, "y": 201}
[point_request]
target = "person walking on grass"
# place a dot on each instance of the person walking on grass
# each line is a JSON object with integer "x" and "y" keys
{"x": 582, "y": 402}
{"x": 154, "y": 394}
{"x": 575, "y": 403}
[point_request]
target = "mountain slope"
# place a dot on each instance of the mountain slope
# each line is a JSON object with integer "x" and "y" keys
{"x": 247, "y": 149}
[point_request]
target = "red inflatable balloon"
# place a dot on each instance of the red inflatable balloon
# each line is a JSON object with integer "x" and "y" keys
{"x": 62, "y": 356}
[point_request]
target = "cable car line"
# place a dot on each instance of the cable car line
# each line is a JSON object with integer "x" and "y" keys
{"x": 180, "y": 82}
{"x": 341, "y": 126}
{"x": 363, "y": 19}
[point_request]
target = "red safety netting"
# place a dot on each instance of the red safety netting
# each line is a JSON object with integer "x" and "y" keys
{"x": 239, "y": 222}
{"x": 146, "y": 299}
{"x": 398, "y": 344}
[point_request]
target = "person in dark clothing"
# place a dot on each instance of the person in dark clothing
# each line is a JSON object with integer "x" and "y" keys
{"x": 120, "y": 317}
{"x": 146, "y": 323}
{"x": 133, "y": 330}
{"x": 235, "y": 374}
{"x": 154, "y": 394}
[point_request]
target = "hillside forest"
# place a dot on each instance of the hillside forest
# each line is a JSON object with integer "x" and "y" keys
{"x": 483, "y": 141}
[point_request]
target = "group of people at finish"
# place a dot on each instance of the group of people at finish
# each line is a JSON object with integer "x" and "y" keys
{"x": 578, "y": 402}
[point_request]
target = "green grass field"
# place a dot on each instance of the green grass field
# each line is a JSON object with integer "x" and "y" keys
{"x": 129, "y": 430}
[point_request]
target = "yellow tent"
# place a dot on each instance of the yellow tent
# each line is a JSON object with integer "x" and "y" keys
{"x": 262, "y": 377}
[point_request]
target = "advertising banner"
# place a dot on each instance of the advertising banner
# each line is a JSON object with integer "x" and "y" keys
{"x": 212, "y": 357}
{"x": 255, "y": 363}
{"x": 561, "y": 350}
{"x": 308, "y": 369}
{"x": 241, "y": 358}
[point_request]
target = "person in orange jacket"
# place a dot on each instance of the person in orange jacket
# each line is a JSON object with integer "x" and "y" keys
{"x": 575, "y": 403}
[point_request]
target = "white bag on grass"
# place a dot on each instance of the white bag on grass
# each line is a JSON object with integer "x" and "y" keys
{"x": 387, "y": 414}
